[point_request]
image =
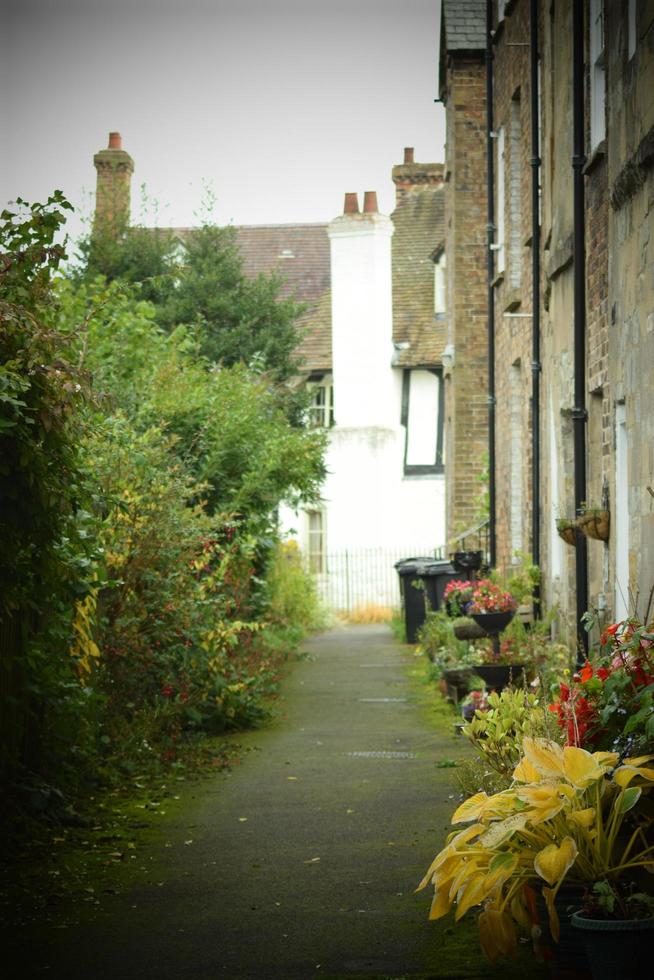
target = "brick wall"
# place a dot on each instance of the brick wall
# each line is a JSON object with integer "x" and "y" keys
{"x": 466, "y": 217}
{"x": 114, "y": 168}
{"x": 513, "y": 288}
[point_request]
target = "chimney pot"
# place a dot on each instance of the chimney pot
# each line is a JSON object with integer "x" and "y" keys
{"x": 370, "y": 202}
{"x": 408, "y": 154}
{"x": 351, "y": 205}
{"x": 115, "y": 141}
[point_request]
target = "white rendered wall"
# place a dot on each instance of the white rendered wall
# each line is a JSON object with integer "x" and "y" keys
{"x": 373, "y": 513}
{"x": 362, "y": 319}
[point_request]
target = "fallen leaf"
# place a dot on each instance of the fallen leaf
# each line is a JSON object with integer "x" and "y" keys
{"x": 242, "y": 819}
{"x": 312, "y": 860}
{"x": 292, "y": 777}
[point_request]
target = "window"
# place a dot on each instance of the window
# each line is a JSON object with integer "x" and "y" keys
{"x": 439, "y": 284}
{"x": 515, "y": 196}
{"x": 631, "y": 29}
{"x": 621, "y": 601}
{"x": 321, "y": 406}
{"x": 500, "y": 204}
{"x": 597, "y": 74}
{"x": 316, "y": 541}
{"x": 422, "y": 416}
{"x": 501, "y": 4}
{"x": 517, "y": 460}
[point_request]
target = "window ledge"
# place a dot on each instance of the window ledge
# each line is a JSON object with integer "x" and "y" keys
{"x": 498, "y": 280}
{"x": 598, "y": 154}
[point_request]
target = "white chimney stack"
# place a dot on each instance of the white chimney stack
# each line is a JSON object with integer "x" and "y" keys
{"x": 362, "y": 315}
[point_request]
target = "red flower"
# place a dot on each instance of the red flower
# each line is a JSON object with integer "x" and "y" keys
{"x": 603, "y": 673}
{"x": 167, "y": 691}
{"x": 587, "y": 672}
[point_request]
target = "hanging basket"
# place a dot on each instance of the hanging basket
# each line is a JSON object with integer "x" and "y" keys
{"x": 595, "y": 524}
{"x": 567, "y": 531}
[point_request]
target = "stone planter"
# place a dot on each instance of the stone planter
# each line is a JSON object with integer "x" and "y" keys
{"x": 493, "y": 623}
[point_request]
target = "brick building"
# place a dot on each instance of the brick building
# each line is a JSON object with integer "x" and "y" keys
{"x": 571, "y": 391}
{"x": 462, "y": 83}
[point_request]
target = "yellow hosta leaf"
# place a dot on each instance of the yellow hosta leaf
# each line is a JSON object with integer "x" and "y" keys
{"x": 549, "y": 894}
{"x": 503, "y": 829}
{"x": 525, "y": 772}
{"x": 520, "y": 914}
{"x": 441, "y": 902}
{"x": 583, "y": 818}
{"x": 544, "y": 801}
{"x": 554, "y": 861}
{"x": 609, "y": 759}
{"x": 472, "y": 893}
{"x": 625, "y": 774}
{"x": 484, "y": 807}
{"x": 544, "y": 755}
{"x": 497, "y": 935}
{"x": 462, "y": 837}
{"x": 639, "y": 760}
{"x": 580, "y": 767}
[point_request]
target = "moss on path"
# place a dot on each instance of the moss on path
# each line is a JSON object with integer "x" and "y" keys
{"x": 302, "y": 861}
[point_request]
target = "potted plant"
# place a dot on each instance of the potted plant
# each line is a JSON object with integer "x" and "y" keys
{"x": 594, "y": 522}
{"x": 616, "y": 931}
{"x": 608, "y": 703}
{"x": 467, "y": 561}
{"x": 570, "y": 817}
{"x": 491, "y": 607}
{"x": 456, "y": 596}
{"x": 567, "y": 530}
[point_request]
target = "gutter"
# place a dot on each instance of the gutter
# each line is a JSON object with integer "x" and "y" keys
{"x": 579, "y": 413}
{"x": 535, "y": 322}
{"x": 490, "y": 178}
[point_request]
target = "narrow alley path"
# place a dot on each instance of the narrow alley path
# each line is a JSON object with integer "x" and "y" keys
{"x": 303, "y": 861}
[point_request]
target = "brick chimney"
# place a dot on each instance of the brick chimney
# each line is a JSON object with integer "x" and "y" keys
{"x": 112, "y": 198}
{"x": 410, "y": 177}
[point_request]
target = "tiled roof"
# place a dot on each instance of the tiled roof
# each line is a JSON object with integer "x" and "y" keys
{"x": 419, "y": 230}
{"x": 315, "y": 349}
{"x": 300, "y": 253}
{"x": 465, "y": 25}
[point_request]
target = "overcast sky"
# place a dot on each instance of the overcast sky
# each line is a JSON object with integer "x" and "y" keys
{"x": 280, "y": 106}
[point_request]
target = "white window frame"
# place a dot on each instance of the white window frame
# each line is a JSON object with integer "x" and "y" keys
{"x": 500, "y": 230}
{"x": 321, "y": 408}
{"x": 316, "y": 541}
{"x": 597, "y": 74}
{"x": 440, "y": 285}
{"x": 632, "y": 28}
{"x": 515, "y": 196}
{"x": 621, "y": 598}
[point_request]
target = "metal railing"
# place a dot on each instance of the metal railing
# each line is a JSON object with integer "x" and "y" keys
{"x": 358, "y": 578}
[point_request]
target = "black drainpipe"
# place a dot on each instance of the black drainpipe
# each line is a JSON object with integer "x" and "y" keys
{"x": 579, "y": 413}
{"x": 492, "y": 549}
{"x": 535, "y": 321}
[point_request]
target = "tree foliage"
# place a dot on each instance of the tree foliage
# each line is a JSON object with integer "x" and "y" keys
{"x": 139, "y": 480}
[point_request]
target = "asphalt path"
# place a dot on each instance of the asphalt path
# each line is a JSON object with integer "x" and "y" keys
{"x": 302, "y": 862}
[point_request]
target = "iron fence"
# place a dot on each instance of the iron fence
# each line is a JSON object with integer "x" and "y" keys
{"x": 357, "y": 578}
